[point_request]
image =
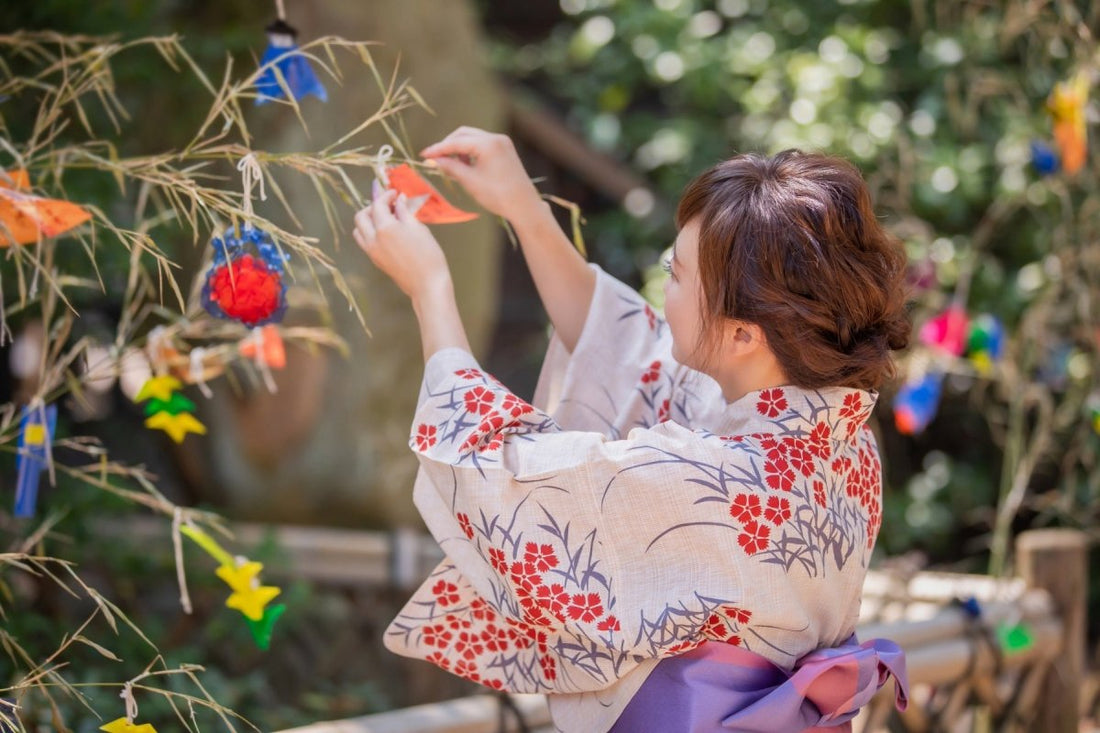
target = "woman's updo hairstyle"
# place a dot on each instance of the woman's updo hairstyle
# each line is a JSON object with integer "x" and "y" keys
{"x": 791, "y": 243}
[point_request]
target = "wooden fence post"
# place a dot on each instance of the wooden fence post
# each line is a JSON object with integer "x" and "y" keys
{"x": 1056, "y": 560}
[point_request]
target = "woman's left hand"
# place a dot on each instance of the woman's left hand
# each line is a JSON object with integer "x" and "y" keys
{"x": 401, "y": 246}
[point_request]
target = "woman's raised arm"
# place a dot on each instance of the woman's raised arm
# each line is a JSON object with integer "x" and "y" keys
{"x": 486, "y": 165}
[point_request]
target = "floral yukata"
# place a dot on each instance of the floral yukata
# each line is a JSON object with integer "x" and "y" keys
{"x": 632, "y": 516}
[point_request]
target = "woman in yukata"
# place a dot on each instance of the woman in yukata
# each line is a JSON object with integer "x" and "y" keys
{"x": 674, "y": 536}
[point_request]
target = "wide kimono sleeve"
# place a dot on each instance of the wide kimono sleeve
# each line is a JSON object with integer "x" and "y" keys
{"x": 621, "y": 374}
{"x": 569, "y": 558}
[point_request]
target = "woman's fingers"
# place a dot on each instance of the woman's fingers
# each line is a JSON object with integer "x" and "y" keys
{"x": 465, "y": 141}
{"x": 401, "y": 210}
{"x": 456, "y": 169}
{"x": 381, "y": 214}
{"x": 364, "y": 227}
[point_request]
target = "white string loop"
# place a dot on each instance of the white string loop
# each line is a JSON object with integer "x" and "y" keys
{"x": 197, "y": 371}
{"x": 251, "y": 174}
{"x": 381, "y": 162}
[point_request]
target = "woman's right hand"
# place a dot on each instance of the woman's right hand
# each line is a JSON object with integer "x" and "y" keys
{"x": 487, "y": 166}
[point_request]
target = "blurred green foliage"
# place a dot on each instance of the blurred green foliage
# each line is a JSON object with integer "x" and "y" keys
{"x": 937, "y": 101}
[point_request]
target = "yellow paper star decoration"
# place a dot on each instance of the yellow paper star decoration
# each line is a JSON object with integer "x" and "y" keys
{"x": 158, "y": 387}
{"x": 122, "y": 725}
{"x": 252, "y": 601}
{"x": 241, "y": 578}
{"x": 177, "y": 426}
{"x": 249, "y": 597}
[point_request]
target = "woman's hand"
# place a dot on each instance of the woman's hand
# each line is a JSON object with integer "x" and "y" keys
{"x": 401, "y": 246}
{"x": 487, "y": 165}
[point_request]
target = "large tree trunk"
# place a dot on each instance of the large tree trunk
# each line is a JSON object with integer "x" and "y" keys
{"x": 330, "y": 446}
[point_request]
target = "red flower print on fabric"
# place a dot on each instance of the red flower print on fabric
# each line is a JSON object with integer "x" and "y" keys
{"x": 495, "y": 638}
{"x": 494, "y": 684}
{"x": 745, "y": 507}
{"x": 549, "y": 667}
{"x": 439, "y": 660}
{"x": 819, "y": 493}
{"x": 498, "y": 560}
{"x": 468, "y": 373}
{"x": 542, "y": 556}
{"x": 469, "y": 645}
{"x": 873, "y": 524}
{"x": 738, "y": 615}
{"x": 772, "y": 402}
{"x": 715, "y": 627}
{"x": 586, "y": 608}
{"x": 653, "y": 373}
{"x": 853, "y": 403}
{"x": 554, "y": 599}
{"x": 819, "y": 441}
{"x": 525, "y": 575}
{"x": 684, "y": 646}
{"x": 662, "y": 412}
{"x": 754, "y": 538}
{"x": 437, "y": 636}
{"x": 458, "y": 623}
{"x": 778, "y": 510}
{"x": 479, "y": 400}
{"x": 609, "y": 624}
{"x": 778, "y": 475}
{"x": 446, "y": 594}
{"x": 495, "y": 444}
{"x": 480, "y": 610}
{"x": 425, "y": 437}
{"x": 468, "y": 670}
{"x": 464, "y": 523}
{"x": 514, "y": 406}
{"x": 651, "y": 317}
{"x": 801, "y": 460}
{"x": 734, "y": 639}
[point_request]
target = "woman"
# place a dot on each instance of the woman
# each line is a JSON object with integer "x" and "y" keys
{"x": 691, "y": 507}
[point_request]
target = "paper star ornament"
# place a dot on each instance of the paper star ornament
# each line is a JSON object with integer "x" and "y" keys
{"x": 177, "y": 426}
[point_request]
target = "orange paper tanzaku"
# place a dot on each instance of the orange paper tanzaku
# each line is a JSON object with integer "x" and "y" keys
{"x": 1067, "y": 109}
{"x": 26, "y": 218}
{"x": 428, "y": 204}
{"x": 265, "y": 346}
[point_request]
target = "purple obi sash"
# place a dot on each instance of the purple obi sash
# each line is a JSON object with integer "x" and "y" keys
{"x": 719, "y": 687}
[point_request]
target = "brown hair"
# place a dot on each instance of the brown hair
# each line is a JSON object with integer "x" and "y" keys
{"x": 791, "y": 244}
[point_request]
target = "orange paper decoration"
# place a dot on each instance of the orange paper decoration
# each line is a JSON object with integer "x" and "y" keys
{"x": 428, "y": 204}
{"x": 26, "y": 218}
{"x": 1067, "y": 107}
{"x": 269, "y": 349}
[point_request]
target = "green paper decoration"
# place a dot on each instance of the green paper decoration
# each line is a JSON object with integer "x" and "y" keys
{"x": 261, "y": 630}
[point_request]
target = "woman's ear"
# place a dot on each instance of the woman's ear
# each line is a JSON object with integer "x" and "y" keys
{"x": 744, "y": 337}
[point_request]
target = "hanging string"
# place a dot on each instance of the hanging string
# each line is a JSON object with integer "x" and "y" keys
{"x": 38, "y": 405}
{"x": 251, "y": 173}
{"x": 177, "y": 546}
{"x": 198, "y": 370}
{"x": 155, "y": 346}
{"x": 280, "y": 10}
{"x": 257, "y": 338}
{"x": 380, "y": 162}
{"x": 127, "y": 696}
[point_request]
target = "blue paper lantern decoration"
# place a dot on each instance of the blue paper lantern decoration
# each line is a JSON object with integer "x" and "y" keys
{"x": 36, "y": 431}
{"x": 1044, "y": 158}
{"x": 245, "y": 281}
{"x": 282, "y": 53}
{"x": 917, "y": 402}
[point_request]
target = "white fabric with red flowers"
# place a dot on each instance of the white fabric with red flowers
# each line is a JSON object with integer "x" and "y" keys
{"x": 634, "y": 516}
